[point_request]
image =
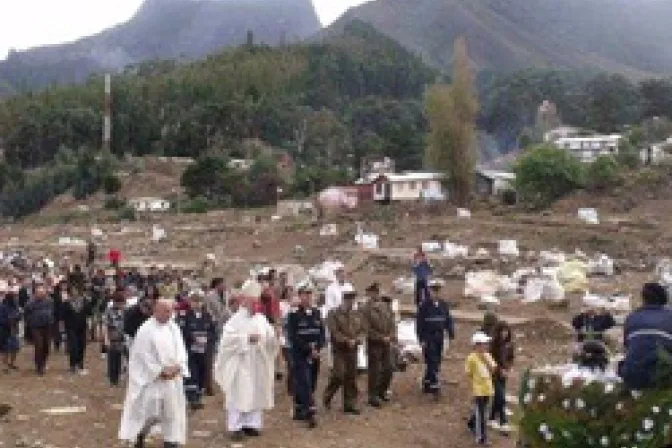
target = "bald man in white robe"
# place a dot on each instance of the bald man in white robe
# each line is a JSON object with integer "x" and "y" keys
{"x": 245, "y": 366}
{"x": 155, "y": 394}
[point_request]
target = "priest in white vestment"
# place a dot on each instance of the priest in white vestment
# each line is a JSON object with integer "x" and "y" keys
{"x": 155, "y": 394}
{"x": 245, "y": 365}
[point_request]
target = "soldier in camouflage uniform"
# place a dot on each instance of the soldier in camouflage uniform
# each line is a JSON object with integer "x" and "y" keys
{"x": 381, "y": 335}
{"x": 347, "y": 331}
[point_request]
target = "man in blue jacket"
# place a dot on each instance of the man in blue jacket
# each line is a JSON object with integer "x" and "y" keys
{"x": 647, "y": 331}
{"x": 305, "y": 330}
{"x": 433, "y": 322}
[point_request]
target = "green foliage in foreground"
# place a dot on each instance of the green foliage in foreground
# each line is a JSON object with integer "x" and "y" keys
{"x": 593, "y": 415}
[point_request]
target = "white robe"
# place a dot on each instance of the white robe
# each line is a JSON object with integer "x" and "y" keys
{"x": 150, "y": 400}
{"x": 246, "y": 371}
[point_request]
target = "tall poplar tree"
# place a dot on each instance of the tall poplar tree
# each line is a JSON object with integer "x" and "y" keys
{"x": 451, "y": 110}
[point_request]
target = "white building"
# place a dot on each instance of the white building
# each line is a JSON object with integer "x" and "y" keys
{"x": 587, "y": 149}
{"x": 656, "y": 153}
{"x": 149, "y": 204}
{"x": 407, "y": 186}
{"x": 240, "y": 164}
{"x": 493, "y": 182}
{"x": 561, "y": 132}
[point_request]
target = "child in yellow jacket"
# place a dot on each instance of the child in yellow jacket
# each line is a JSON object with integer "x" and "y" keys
{"x": 479, "y": 367}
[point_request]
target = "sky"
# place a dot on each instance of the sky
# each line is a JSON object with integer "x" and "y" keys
{"x": 30, "y": 23}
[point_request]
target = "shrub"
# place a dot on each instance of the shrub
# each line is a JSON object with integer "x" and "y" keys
{"x": 583, "y": 415}
{"x": 111, "y": 184}
{"x": 196, "y": 205}
{"x": 603, "y": 173}
{"x": 114, "y": 203}
{"x": 127, "y": 214}
{"x": 546, "y": 174}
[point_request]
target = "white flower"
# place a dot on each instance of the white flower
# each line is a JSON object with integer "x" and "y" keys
{"x": 647, "y": 424}
{"x": 543, "y": 428}
{"x": 580, "y": 404}
{"x": 619, "y": 406}
{"x": 548, "y": 436}
{"x": 636, "y": 394}
{"x": 527, "y": 398}
{"x": 655, "y": 409}
{"x": 609, "y": 388}
{"x": 604, "y": 441}
{"x": 566, "y": 403}
{"x": 565, "y": 434}
{"x": 669, "y": 412}
{"x": 541, "y": 398}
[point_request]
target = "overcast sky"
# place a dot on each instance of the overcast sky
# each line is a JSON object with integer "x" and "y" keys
{"x": 29, "y": 23}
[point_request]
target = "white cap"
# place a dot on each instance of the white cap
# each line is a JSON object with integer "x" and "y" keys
{"x": 251, "y": 288}
{"x": 480, "y": 338}
{"x": 197, "y": 292}
{"x": 435, "y": 282}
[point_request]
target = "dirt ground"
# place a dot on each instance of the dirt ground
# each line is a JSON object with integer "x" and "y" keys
{"x": 636, "y": 237}
{"x": 411, "y": 419}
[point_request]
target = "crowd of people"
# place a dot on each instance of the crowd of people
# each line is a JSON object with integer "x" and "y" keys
{"x": 171, "y": 339}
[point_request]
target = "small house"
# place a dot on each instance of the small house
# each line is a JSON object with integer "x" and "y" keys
{"x": 656, "y": 153}
{"x": 149, "y": 204}
{"x": 407, "y": 186}
{"x": 587, "y": 149}
{"x": 493, "y": 182}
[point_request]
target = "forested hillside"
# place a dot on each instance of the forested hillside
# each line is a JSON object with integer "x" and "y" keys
{"x": 327, "y": 104}
{"x": 618, "y": 36}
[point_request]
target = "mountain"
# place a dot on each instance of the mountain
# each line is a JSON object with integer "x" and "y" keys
{"x": 623, "y": 36}
{"x": 162, "y": 29}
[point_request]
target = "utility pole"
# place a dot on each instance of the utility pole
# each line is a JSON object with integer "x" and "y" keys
{"x": 107, "y": 119}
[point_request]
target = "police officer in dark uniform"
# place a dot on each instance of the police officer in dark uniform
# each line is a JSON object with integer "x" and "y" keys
{"x": 433, "y": 321}
{"x": 305, "y": 330}
{"x": 198, "y": 330}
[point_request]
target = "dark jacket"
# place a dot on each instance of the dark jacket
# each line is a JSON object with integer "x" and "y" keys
{"x": 305, "y": 330}
{"x": 502, "y": 349}
{"x": 198, "y": 331}
{"x": 75, "y": 315}
{"x": 24, "y": 297}
{"x": 39, "y": 313}
{"x": 595, "y": 325}
{"x": 133, "y": 320}
{"x": 646, "y": 331}
{"x": 422, "y": 270}
{"x": 433, "y": 319}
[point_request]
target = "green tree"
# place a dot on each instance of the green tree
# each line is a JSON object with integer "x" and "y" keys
{"x": 628, "y": 154}
{"x": 612, "y": 102}
{"x": 111, "y": 184}
{"x": 545, "y": 174}
{"x": 602, "y": 173}
{"x": 208, "y": 178}
{"x": 451, "y": 111}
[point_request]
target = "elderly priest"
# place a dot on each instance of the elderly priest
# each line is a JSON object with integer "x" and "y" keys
{"x": 245, "y": 365}
{"x": 155, "y": 395}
